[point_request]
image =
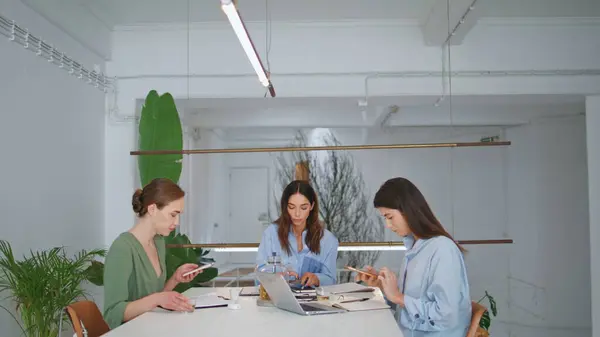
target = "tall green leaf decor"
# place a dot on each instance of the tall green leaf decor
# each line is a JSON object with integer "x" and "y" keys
{"x": 160, "y": 129}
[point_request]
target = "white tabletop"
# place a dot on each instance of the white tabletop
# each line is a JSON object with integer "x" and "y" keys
{"x": 255, "y": 321}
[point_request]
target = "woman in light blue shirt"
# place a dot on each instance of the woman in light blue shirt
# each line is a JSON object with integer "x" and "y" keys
{"x": 432, "y": 294}
{"x": 300, "y": 239}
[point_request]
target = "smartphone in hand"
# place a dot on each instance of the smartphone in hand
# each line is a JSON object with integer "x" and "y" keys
{"x": 202, "y": 267}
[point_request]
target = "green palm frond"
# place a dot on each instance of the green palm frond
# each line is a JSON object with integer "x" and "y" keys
{"x": 45, "y": 282}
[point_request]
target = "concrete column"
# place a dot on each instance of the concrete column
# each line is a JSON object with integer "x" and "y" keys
{"x": 592, "y": 107}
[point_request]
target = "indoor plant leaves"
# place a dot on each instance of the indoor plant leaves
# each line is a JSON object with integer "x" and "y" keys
{"x": 160, "y": 129}
{"x": 486, "y": 319}
{"x": 44, "y": 283}
{"x": 178, "y": 256}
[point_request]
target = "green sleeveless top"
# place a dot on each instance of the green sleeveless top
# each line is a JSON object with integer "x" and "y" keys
{"x": 129, "y": 275}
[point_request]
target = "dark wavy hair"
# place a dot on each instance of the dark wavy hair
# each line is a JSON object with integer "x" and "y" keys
{"x": 314, "y": 227}
{"x": 403, "y": 195}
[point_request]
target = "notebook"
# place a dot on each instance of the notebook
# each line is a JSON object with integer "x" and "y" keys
{"x": 210, "y": 301}
{"x": 362, "y": 305}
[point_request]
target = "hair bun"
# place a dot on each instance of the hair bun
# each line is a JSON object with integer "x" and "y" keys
{"x": 136, "y": 201}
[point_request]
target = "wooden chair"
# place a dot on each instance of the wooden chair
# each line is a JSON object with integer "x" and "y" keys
{"x": 477, "y": 312}
{"x": 86, "y": 319}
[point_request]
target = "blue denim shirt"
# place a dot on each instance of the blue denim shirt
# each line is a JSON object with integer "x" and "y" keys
{"x": 435, "y": 285}
{"x": 323, "y": 265}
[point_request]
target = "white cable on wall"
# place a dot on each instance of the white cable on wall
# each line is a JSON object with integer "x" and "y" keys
{"x": 30, "y": 42}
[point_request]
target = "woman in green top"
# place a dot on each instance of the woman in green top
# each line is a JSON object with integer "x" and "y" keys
{"x": 134, "y": 270}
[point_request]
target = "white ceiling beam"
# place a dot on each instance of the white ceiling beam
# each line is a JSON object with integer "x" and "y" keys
{"x": 478, "y": 115}
{"x": 270, "y": 118}
{"x": 449, "y": 24}
{"x": 384, "y": 115}
{"x": 470, "y": 115}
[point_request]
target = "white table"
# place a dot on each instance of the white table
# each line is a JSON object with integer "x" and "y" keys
{"x": 255, "y": 321}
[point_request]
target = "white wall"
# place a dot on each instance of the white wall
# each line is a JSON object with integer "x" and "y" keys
{"x": 548, "y": 266}
{"x": 52, "y": 140}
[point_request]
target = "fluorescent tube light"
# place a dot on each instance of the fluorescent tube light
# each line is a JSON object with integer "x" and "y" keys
{"x": 235, "y": 249}
{"x": 369, "y": 248}
{"x": 237, "y": 24}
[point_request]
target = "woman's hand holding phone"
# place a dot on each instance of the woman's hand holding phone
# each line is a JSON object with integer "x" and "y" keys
{"x": 186, "y": 272}
{"x": 368, "y": 276}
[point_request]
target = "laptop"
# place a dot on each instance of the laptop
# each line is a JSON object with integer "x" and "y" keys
{"x": 282, "y": 296}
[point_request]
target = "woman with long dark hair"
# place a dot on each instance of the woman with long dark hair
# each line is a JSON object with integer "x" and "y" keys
{"x": 299, "y": 238}
{"x": 432, "y": 294}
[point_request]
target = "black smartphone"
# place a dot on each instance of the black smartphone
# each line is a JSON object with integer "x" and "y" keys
{"x": 296, "y": 287}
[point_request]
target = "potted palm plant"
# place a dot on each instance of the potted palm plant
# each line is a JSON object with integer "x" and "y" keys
{"x": 44, "y": 283}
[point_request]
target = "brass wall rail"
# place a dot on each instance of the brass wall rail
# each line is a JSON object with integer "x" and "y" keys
{"x": 342, "y": 244}
{"x": 321, "y": 148}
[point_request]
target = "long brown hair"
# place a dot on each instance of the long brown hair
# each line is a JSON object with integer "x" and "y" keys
{"x": 314, "y": 229}
{"x": 403, "y": 195}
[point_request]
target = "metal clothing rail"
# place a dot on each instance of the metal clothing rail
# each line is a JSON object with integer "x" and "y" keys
{"x": 16, "y": 33}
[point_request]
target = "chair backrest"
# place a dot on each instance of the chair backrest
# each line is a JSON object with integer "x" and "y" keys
{"x": 477, "y": 312}
{"x": 87, "y": 312}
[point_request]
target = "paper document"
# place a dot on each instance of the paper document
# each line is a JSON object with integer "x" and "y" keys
{"x": 344, "y": 288}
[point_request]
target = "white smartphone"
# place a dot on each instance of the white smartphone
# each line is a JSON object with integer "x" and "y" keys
{"x": 204, "y": 266}
{"x": 360, "y": 271}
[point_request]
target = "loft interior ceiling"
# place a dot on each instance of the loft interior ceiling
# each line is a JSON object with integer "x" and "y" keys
{"x": 91, "y": 21}
{"x": 134, "y": 12}
{"x": 279, "y": 114}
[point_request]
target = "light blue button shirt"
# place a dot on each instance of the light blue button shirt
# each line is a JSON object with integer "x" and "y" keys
{"x": 323, "y": 265}
{"x": 434, "y": 282}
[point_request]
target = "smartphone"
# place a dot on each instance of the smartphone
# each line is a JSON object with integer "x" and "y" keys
{"x": 199, "y": 268}
{"x": 361, "y": 271}
{"x": 298, "y": 288}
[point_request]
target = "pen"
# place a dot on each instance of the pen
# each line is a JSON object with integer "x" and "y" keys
{"x": 357, "y": 300}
